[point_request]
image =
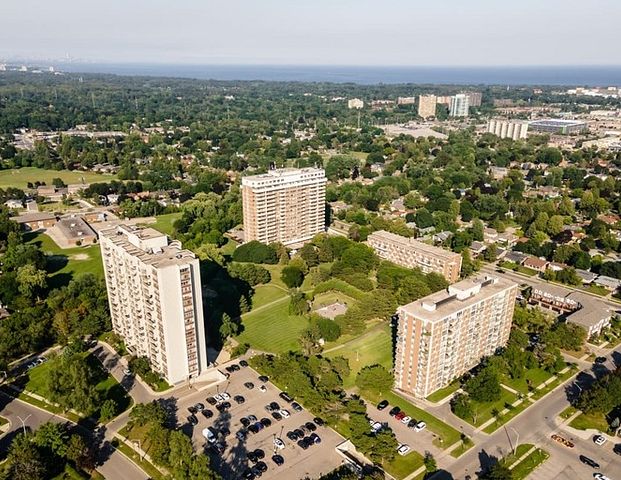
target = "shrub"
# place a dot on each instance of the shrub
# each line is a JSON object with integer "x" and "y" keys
{"x": 292, "y": 276}
{"x": 256, "y": 252}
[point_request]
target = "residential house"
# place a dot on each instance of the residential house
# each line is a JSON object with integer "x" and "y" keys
{"x": 535, "y": 263}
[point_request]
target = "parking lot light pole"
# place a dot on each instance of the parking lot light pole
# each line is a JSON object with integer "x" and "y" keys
{"x": 517, "y": 441}
{"x": 24, "y": 420}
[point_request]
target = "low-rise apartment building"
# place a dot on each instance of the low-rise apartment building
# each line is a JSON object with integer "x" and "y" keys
{"x": 446, "y": 334}
{"x": 410, "y": 253}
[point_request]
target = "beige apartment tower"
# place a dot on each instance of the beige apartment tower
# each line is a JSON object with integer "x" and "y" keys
{"x": 286, "y": 205}
{"x": 154, "y": 292}
{"x": 427, "y": 106}
{"x": 444, "y": 335}
{"x": 411, "y": 253}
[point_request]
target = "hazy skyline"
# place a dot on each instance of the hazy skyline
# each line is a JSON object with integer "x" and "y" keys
{"x": 318, "y": 32}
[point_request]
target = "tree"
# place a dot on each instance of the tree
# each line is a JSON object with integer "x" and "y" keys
{"x": 498, "y": 471}
{"x": 71, "y": 383}
{"x": 298, "y": 303}
{"x": 52, "y": 437}
{"x": 292, "y": 276}
{"x": 461, "y": 406}
{"x": 180, "y": 455}
{"x": 309, "y": 254}
{"x": 374, "y": 378}
{"x": 228, "y": 327}
{"x": 328, "y": 329}
{"x": 31, "y": 280}
{"x": 24, "y": 460}
{"x": 430, "y": 463}
{"x": 108, "y": 410}
{"x": 255, "y": 252}
{"x": 144, "y": 413}
{"x": 79, "y": 452}
{"x": 484, "y": 387}
{"x": 309, "y": 341}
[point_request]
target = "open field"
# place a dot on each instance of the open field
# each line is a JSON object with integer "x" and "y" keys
{"x": 67, "y": 263}
{"x": 532, "y": 377}
{"x": 264, "y": 294}
{"x": 374, "y": 347}
{"x": 164, "y": 223}
{"x": 272, "y": 329}
{"x": 444, "y": 392}
{"x": 484, "y": 411}
{"x": 19, "y": 177}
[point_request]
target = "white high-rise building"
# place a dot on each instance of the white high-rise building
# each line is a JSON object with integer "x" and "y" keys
{"x": 459, "y": 105}
{"x": 154, "y": 292}
{"x": 444, "y": 335}
{"x": 286, "y": 205}
{"x": 355, "y": 103}
{"x": 508, "y": 129}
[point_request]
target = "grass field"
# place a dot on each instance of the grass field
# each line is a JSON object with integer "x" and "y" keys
{"x": 484, "y": 411}
{"x": 529, "y": 464}
{"x": 264, "y": 294}
{"x": 19, "y": 177}
{"x": 535, "y": 376}
{"x": 164, "y": 223}
{"x": 462, "y": 448}
{"x": 66, "y": 263}
{"x": 328, "y": 298}
{"x": 108, "y": 387}
{"x": 374, "y": 347}
{"x": 444, "y": 392}
{"x": 593, "y": 420}
{"x": 272, "y": 329}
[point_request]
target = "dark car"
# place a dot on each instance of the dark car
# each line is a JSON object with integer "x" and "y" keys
{"x": 219, "y": 447}
{"x": 600, "y": 359}
{"x": 310, "y": 426}
{"x": 292, "y": 436}
{"x": 315, "y": 438}
{"x": 241, "y": 435}
{"x": 319, "y": 421}
{"x": 303, "y": 444}
{"x": 252, "y": 457}
{"x": 296, "y": 406}
{"x": 211, "y": 401}
{"x": 248, "y": 474}
{"x": 244, "y": 421}
{"x": 261, "y": 466}
{"x": 382, "y": 405}
{"x": 412, "y": 423}
{"x": 235, "y": 367}
{"x": 243, "y": 363}
{"x": 207, "y": 413}
{"x": 200, "y": 407}
{"x": 285, "y": 397}
{"x": 617, "y": 449}
{"x": 223, "y": 406}
{"x": 225, "y": 432}
{"x": 253, "y": 428}
{"x": 278, "y": 459}
{"x": 266, "y": 422}
{"x": 230, "y": 369}
{"x": 273, "y": 406}
{"x": 259, "y": 425}
{"x": 588, "y": 461}
{"x": 192, "y": 410}
{"x": 257, "y": 473}
{"x": 276, "y": 416}
{"x": 249, "y": 385}
{"x": 393, "y": 411}
{"x": 239, "y": 399}
{"x": 192, "y": 420}
{"x": 263, "y": 378}
{"x": 259, "y": 453}
{"x": 299, "y": 432}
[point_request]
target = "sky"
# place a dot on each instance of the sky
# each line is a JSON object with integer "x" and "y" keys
{"x": 314, "y": 32}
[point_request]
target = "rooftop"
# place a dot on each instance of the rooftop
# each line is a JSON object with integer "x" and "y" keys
{"x": 456, "y": 297}
{"x": 556, "y": 122}
{"x": 411, "y": 243}
{"x": 284, "y": 174}
{"x": 592, "y": 312}
{"x": 75, "y": 227}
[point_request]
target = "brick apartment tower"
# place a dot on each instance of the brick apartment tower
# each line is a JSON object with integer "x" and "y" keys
{"x": 444, "y": 335}
{"x": 285, "y": 205}
{"x": 154, "y": 292}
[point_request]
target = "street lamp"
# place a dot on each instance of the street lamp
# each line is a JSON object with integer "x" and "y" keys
{"x": 517, "y": 441}
{"x": 24, "y": 420}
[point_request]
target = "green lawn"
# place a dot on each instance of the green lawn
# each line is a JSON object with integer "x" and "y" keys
{"x": 372, "y": 348}
{"x": 148, "y": 467}
{"x": 597, "y": 290}
{"x": 264, "y": 294}
{"x": 444, "y": 392}
{"x": 483, "y": 411}
{"x": 164, "y": 223}
{"x": 108, "y": 387}
{"x": 462, "y": 448}
{"x": 446, "y": 435}
{"x": 520, "y": 450}
{"x": 513, "y": 411}
{"x": 70, "y": 473}
{"x": 568, "y": 412}
{"x": 535, "y": 376}
{"x": 272, "y": 329}
{"x": 529, "y": 464}
{"x": 592, "y": 420}
{"x": 3, "y": 421}
{"x": 19, "y": 177}
{"x": 64, "y": 264}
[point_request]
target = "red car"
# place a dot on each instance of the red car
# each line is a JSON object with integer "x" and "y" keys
{"x": 400, "y": 416}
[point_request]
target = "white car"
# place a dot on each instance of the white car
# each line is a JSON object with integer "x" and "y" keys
{"x": 377, "y": 426}
{"x": 285, "y": 413}
{"x": 279, "y": 444}
{"x": 600, "y": 476}
{"x": 225, "y": 396}
{"x": 262, "y": 388}
{"x": 219, "y": 398}
{"x": 402, "y": 449}
{"x": 405, "y": 420}
{"x": 599, "y": 439}
{"x": 420, "y": 426}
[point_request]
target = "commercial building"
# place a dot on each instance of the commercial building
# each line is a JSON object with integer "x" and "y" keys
{"x": 508, "y": 129}
{"x": 286, "y": 205}
{"x": 411, "y": 253}
{"x": 444, "y": 335}
{"x": 355, "y": 103}
{"x": 560, "y": 127}
{"x": 154, "y": 292}
{"x": 73, "y": 231}
{"x": 426, "y": 106}
{"x": 459, "y": 105}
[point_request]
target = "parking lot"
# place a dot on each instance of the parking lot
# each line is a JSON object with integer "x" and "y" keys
{"x": 317, "y": 459}
{"x": 420, "y": 441}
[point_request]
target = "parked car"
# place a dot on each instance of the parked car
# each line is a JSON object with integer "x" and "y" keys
{"x": 207, "y": 413}
{"x": 241, "y": 435}
{"x": 403, "y": 449}
{"x": 292, "y": 436}
{"x": 303, "y": 444}
{"x": 296, "y": 406}
{"x": 235, "y": 367}
{"x": 239, "y": 399}
{"x": 218, "y": 397}
{"x": 617, "y": 449}
{"x": 225, "y": 396}
{"x": 199, "y": 407}
{"x": 278, "y": 460}
{"x": 192, "y": 420}
{"x": 192, "y": 409}
{"x": 376, "y": 426}
{"x": 310, "y": 426}
{"x": 400, "y": 416}
{"x": 319, "y": 422}
{"x": 412, "y": 423}
{"x": 243, "y": 363}
{"x": 248, "y": 474}
{"x": 285, "y": 396}
{"x": 420, "y": 426}
{"x": 393, "y": 411}
{"x": 245, "y": 421}
{"x": 266, "y": 422}
{"x": 261, "y": 466}
{"x": 279, "y": 444}
{"x": 263, "y": 378}
{"x": 263, "y": 389}
{"x": 382, "y": 405}
{"x": 599, "y": 440}
{"x": 315, "y": 438}
{"x": 211, "y": 400}
{"x": 276, "y": 416}
{"x": 249, "y": 385}
{"x": 285, "y": 413}
{"x": 600, "y": 359}
{"x": 299, "y": 432}
{"x": 600, "y": 476}
{"x": 588, "y": 461}
{"x": 405, "y": 420}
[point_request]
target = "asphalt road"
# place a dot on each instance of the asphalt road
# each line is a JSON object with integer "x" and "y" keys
{"x": 113, "y": 465}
